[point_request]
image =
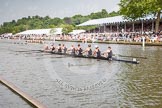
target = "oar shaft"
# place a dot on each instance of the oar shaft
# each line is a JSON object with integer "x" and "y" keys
{"x": 132, "y": 56}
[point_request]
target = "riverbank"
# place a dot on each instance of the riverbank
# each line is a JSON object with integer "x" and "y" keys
{"x": 101, "y": 42}
{"x": 119, "y": 42}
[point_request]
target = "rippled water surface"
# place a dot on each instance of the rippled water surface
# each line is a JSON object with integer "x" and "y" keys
{"x": 8, "y": 99}
{"x": 64, "y": 82}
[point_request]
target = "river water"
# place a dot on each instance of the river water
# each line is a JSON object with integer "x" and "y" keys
{"x": 59, "y": 81}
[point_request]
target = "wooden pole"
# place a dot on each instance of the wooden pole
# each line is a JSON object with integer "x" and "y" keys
{"x": 125, "y": 27}
{"x": 133, "y": 26}
{"x": 21, "y": 93}
{"x": 143, "y": 41}
{"x": 110, "y": 27}
{"x": 142, "y": 26}
{"x": 104, "y": 27}
{"x": 152, "y": 25}
{"x": 117, "y": 27}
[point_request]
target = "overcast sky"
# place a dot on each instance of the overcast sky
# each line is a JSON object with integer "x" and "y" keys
{"x": 16, "y": 9}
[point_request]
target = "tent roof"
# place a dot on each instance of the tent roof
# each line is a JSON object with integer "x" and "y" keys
{"x": 110, "y": 20}
{"x": 74, "y": 32}
{"x": 41, "y": 31}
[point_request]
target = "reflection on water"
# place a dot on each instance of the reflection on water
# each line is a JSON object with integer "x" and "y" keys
{"x": 66, "y": 82}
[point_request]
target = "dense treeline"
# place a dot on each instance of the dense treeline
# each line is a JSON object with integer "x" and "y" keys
{"x": 37, "y": 22}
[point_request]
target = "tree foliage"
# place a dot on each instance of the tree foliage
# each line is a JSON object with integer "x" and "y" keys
{"x": 38, "y": 22}
{"x": 134, "y": 9}
{"x": 67, "y": 28}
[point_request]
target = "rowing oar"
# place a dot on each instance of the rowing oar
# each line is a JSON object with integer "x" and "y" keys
{"x": 130, "y": 56}
{"x": 30, "y": 51}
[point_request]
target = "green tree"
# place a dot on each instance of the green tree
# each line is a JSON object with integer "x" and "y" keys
{"x": 55, "y": 21}
{"x": 97, "y": 15}
{"x": 104, "y": 13}
{"x": 113, "y": 13}
{"x": 38, "y": 22}
{"x": 134, "y": 9}
{"x": 67, "y": 28}
{"x": 52, "y": 26}
{"x": 76, "y": 19}
{"x": 67, "y": 20}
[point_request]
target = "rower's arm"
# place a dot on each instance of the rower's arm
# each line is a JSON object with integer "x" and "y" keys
{"x": 104, "y": 52}
{"x": 85, "y": 51}
{"x": 68, "y": 49}
{"x": 94, "y": 52}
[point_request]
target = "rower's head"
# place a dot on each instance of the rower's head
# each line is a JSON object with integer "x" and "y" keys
{"x": 109, "y": 47}
{"x": 96, "y": 46}
{"x": 59, "y": 44}
{"x": 89, "y": 45}
{"x": 63, "y": 45}
{"x": 78, "y": 45}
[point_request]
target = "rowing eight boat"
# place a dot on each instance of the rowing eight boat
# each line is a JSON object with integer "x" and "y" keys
{"x": 133, "y": 61}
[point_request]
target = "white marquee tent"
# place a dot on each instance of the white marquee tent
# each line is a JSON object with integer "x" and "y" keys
{"x": 74, "y": 32}
{"x": 110, "y": 20}
{"x": 41, "y": 31}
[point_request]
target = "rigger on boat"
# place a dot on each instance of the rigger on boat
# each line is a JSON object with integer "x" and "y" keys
{"x": 87, "y": 53}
